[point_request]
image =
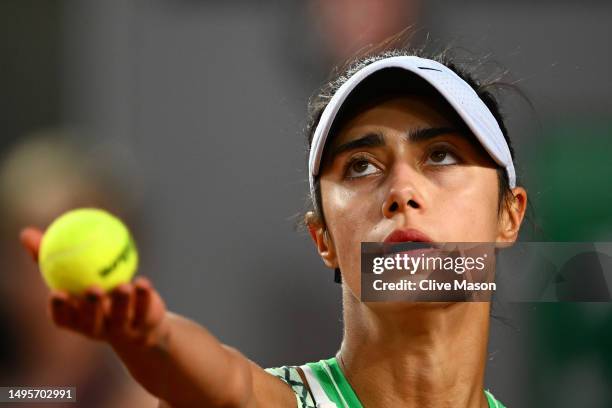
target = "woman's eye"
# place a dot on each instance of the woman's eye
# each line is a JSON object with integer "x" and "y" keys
{"x": 441, "y": 158}
{"x": 360, "y": 168}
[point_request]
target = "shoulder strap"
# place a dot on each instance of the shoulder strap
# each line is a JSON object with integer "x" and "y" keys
{"x": 319, "y": 396}
{"x": 331, "y": 380}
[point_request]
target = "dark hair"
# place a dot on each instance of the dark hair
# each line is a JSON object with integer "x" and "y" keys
{"x": 389, "y": 83}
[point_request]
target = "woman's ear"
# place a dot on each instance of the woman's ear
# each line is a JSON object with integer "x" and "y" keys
{"x": 513, "y": 213}
{"x": 322, "y": 239}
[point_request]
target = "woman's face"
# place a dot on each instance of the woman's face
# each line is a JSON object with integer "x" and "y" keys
{"x": 403, "y": 164}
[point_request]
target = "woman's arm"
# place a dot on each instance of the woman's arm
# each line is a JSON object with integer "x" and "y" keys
{"x": 187, "y": 366}
{"x": 175, "y": 359}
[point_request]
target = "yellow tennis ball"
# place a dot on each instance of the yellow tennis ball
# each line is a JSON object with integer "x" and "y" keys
{"x": 86, "y": 247}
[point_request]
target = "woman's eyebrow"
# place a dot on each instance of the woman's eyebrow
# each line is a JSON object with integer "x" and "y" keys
{"x": 421, "y": 135}
{"x": 377, "y": 139}
{"x": 369, "y": 140}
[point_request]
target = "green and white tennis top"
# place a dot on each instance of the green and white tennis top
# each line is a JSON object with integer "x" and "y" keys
{"x": 328, "y": 386}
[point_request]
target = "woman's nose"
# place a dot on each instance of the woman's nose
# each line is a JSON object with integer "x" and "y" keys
{"x": 402, "y": 194}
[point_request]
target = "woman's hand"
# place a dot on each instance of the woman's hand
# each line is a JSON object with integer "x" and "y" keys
{"x": 132, "y": 313}
{"x": 175, "y": 359}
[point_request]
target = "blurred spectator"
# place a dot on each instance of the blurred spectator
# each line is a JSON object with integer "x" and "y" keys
{"x": 346, "y": 26}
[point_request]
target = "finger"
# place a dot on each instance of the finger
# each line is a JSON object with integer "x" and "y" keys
{"x": 143, "y": 289}
{"x": 30, "y": 238}
{"x": 149, "y": 308}
{"x": 121, "y": 308}
{"x": 92, "y": 313}
{"x": 62, "y": 310}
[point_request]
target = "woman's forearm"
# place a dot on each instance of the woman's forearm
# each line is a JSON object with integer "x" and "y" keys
{"x": 184, "y": 365}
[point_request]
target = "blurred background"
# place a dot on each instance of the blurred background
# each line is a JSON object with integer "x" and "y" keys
{"x": 185, "y": 118}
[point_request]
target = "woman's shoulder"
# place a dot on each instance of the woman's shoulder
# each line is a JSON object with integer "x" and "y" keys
{"x": 298, "y": 378}
{"x": 291, "y": 375}
{"x": 318, "y": 384}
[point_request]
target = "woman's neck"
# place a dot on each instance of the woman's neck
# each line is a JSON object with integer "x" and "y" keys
{"x": 415, "y": 355}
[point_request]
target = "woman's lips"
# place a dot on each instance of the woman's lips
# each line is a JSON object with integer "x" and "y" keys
{"x": 406, "y": 235}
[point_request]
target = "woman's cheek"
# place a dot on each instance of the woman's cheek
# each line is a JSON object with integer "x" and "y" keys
{"x": 349, "y": 217}
{"x": 469, "y": 216}
{"x": 349, "y": 208}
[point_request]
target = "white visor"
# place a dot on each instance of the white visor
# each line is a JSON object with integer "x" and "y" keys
{"x": 458, "y": 93}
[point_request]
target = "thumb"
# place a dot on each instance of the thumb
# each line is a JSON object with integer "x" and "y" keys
{"x": 30, "y": 238}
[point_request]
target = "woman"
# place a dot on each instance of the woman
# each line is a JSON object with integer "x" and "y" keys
{"x": 401, "y": 149}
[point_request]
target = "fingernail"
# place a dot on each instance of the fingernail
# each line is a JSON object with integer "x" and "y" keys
{"x": 119, "y": 296}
